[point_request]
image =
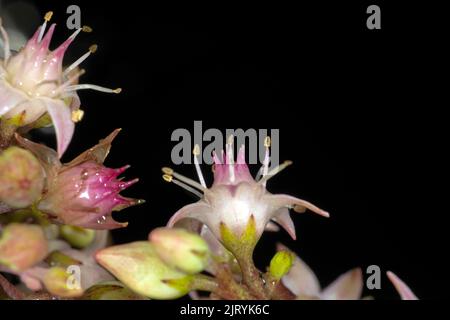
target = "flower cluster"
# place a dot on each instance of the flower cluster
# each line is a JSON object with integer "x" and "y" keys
{"x": 55, "y": 217}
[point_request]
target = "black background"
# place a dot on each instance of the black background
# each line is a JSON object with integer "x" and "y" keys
{"x": 358, "y": 113}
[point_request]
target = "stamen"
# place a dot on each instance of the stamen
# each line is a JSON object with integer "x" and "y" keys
{"x": 196, "y": 152}
{"x": 275, "y": 171}
{"x": 92, "y": 87}
{"x": 74, "y": 34}
{"x": 92, "y": 49}
{"x": 67, "y": 84}
{"x": 190, "y": 182}
{"x": 47, "y": 18}
{"x": 265, "y": 168}
{"x": 230, "y": 157}
{"x": 5, "y": 37}
{"x": 169, "y": 178}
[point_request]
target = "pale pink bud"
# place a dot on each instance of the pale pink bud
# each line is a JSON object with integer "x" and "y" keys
{"x": 22, "y": 246}
{"x": 21, "y": 177}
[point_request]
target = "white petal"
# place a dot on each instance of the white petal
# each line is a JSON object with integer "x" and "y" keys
{"x": 62, "y": 121}
{"x": 347, "y": 286}
{"x": 9, "y": 97}
{"x": 284, "y": 200}
{"x": 301, "y": 280}
{"x": 198, "y": 211}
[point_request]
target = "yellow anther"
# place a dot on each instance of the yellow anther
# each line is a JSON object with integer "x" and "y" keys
{"x": 117, "y": 90}
{"x": 167, "y": 178}
{"x": 48, "y": 16}
{"x": 167, "y": 171}
{"x": 86, "y": 29}
{"x": 267, "y": 142}
{"x": 93, "y": 48}
{"x": 77, "y": 115}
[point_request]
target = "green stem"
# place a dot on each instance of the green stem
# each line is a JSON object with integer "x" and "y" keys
{"x": 228, "y": 287}
{"x": 204, "y": 283}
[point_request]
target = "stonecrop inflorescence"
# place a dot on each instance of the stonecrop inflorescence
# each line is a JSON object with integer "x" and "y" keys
{"x": 55, "y": 217}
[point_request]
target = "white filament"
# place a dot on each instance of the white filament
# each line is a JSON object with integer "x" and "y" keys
{"x": 92, "y": 87}
{"x": 5, "y": 42}
{"x": 230, "y": 158}
{"x": 76, "y": 63}
{"x": 188, "y": 188}
{"x": 197, "y": 166}
{"x": 274, "y": 171}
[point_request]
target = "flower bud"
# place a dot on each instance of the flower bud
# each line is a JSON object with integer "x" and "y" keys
{"x": 85, "y": 195}
{"x": 22, "y": 246}
{"x": 181, "y": 249}
{"x": 138, "y": 266}
{"x": 76, "y": 236}
{"x": 280, "y": 264}
{"x": 21, "y": 178}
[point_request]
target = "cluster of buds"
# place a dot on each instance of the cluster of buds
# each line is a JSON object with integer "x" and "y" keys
{"x": 55, "y": 217}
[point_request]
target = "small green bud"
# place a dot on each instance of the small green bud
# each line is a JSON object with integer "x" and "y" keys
{"x": 76, "y": 236}
{"x": 280, "y": 264}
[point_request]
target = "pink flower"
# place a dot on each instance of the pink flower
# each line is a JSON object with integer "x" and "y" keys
{"x": 235, "y": 199}
{"x": 302, "y": 282}
{"x": 33, "y": 83}
{"x": 83, "y": 192}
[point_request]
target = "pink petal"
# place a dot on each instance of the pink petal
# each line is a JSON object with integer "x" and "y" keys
{"x": 284, "y": 200}
{"x": 403, "y": 290}
{"x": 347, "y": 286}
{"x": 301, "y": 280}
{"x": 62, "y": 121}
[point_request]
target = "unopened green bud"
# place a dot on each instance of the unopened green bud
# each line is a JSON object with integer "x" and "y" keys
{"x": 280, "y": 264}
{"x": 76, "y": 236}
{"x": 139, "y": 267}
